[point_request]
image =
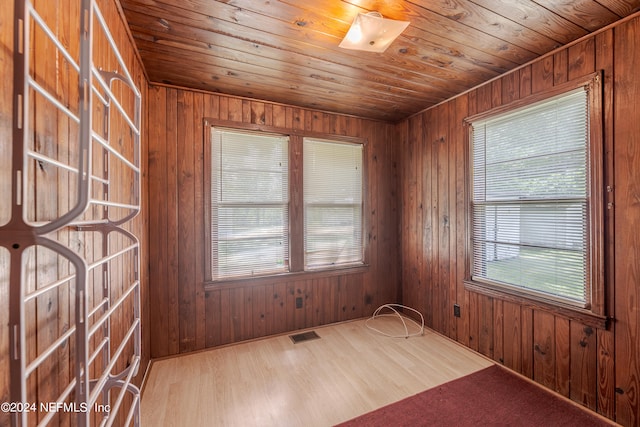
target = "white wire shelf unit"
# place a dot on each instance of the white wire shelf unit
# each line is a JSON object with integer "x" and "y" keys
{"x": 73, "y": 263}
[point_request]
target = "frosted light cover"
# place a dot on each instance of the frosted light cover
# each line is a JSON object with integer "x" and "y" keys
{"x": 372, "y": 33}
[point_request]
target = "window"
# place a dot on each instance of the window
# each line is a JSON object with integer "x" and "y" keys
{"x": 281, "y": 203}
{"x": 533, "y": 215}
{"x": 332, "y": 203}
{"x": 249, "y": 203}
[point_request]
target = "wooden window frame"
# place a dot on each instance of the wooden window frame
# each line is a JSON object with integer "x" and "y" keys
{"x": 296, "y": 206}
{"x": 595, "y": 313}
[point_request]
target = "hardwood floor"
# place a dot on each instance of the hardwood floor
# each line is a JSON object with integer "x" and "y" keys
{"x": 349, "y": 371}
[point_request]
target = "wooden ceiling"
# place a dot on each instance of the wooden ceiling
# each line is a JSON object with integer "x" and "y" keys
{"x": 287, "y": 51}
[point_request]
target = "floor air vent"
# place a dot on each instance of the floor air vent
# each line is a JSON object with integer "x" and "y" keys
{"x": 305, "y": 336}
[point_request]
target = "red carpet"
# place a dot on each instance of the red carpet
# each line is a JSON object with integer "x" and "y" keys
{"x": 490, "y": 397}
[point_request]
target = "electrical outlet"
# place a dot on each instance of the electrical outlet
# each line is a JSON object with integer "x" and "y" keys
{"x": 456, "y": 310}
{"x": 298, "y": 302}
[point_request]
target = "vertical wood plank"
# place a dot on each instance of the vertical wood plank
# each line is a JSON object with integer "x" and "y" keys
{"x": 375, "y": 190}
{"x": 317, "y": 121}
{"x": 484, "y": 100}
{"x": 584, "y": 348}
{"x": 410, "y": 210}
{"x": 525, "y": 81}
{"x": 462, "y": 109}
{"x": 454, "y": 150}
{"x": 291, "y": 310}
{"x": 606, "y": 374}
{"x": 544, "y": 357}
{"x": 496, "y": 93}
{"x": 199, "y": 256}
{"x": 279, "y": 116}
{"x": 317, "y": 297}
{"x": 498, "y": 331}
{"x": 511, "y": 87}
{"x": 426, "y": 239}
{"x": 581, "y": 58}
{"x": 223, "y": 107}
{"x": 355, "y": 295}
{"x": 627, "y": 217}
{"x": 389, "y": 156}
{"x": 258, "y": 315}
{"x": 332, "y": 300}
{"x": 172, "y": 279}
{"x": 606, "y": 361}
{"x": 605, "y": 62}
{"x": 512, "y": 336}
{"x": 444, "y": 219}
{"x": 403, "y": 140}
{"x": 234, "y": 110}
{"x": 343, "y": 299}
{"x": 158, "y": 275}
{"x": 308, "y": 302}
{"x": 186, "y": 249}
{"x": 212, "y": 106}
{"x": 564, "y": 356}
{"x": 420, "y": 220}
{"x": 560, "y": 67}
{"x": 258, "y": 113}
{"x": 238, "y": 314}
{"x": 247, "y": 314}
{"x": 527, "y": 342}
{"x": 326, "y": 122}
{"x": 268, "y": 114}
{"x": 226, "y": 321}
{"x": 474, "y": 321}
{"x": 297, "y": 118}
{"x": 542, "y": 74}
{"x": 279, "y": 308}
{"x": 485, "y": 325}
{"x": 246, "y": 111}
{"x": 212, "y": 318}
{"x": 269, "y": 310}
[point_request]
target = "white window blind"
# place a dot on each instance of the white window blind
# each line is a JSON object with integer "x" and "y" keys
{"x": 332, "y": 203}
{"x": 249, "y": 203}
{"x": 529, "y": 199}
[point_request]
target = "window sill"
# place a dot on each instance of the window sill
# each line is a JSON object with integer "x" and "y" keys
{"x": 211, "y": 285}
{"x": 581, "y": 315}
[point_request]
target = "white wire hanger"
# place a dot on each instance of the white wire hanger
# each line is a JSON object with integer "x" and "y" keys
{"x": 395, "y": 313}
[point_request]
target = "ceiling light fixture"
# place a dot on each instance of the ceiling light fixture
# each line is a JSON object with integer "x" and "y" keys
{"x": 372, "y": 33}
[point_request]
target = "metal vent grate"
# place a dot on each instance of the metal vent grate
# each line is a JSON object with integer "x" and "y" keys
{"x": 305, "y": 336}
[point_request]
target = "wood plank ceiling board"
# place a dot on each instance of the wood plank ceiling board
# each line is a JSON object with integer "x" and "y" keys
{"x": 287, "y": 51}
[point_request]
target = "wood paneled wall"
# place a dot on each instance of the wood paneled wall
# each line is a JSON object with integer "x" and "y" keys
{"x": 185, "y": 317}
{"x": 53, "y": 313}
{"x": 598, "y": 368}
